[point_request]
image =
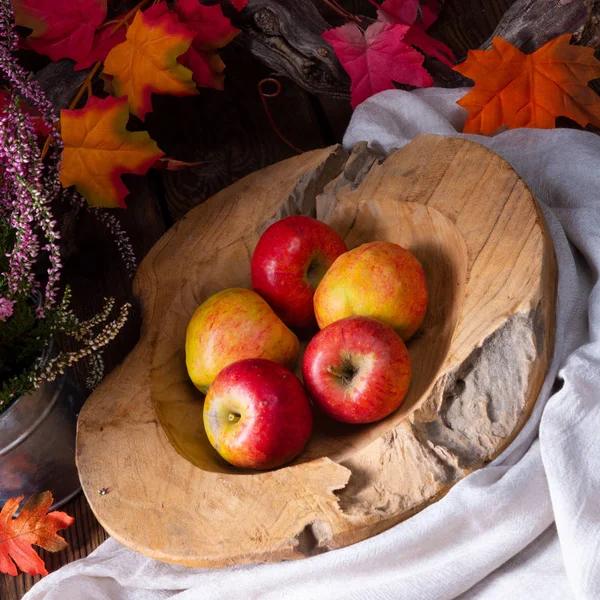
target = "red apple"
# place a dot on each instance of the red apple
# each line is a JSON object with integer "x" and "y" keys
{"x": 289, "y": 261}
{"x": 357, "y": 370}
{"x": 257, "y": 414}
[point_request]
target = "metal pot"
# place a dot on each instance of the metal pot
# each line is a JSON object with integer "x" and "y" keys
{"x": 37, "y": 442}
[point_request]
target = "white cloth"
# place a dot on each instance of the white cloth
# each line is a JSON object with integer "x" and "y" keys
{"x": 528, "y": 525}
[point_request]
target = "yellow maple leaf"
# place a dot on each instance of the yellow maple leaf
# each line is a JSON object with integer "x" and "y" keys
{"x": 98, "y": 149}
{"x": 146, "y": 62}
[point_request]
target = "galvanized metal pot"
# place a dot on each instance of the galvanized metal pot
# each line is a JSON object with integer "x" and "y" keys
{"x": 37, "y": 442}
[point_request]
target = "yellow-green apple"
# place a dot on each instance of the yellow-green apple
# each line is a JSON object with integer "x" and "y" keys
{"x": 380, "y": 280}
{"x": 357, "y": 370}
{"x": 289, "y": 260}
{"x": 257, "y": 414}
{"x": 231, "y": 325}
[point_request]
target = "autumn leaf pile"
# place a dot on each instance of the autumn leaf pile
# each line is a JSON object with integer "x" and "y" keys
{"x": 173, "y": 49}
{"x": 511, "y": 89}
{"x": 160, "y": 49}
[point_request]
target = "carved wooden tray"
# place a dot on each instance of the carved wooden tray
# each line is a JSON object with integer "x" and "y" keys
{"x": 478, "y": 363}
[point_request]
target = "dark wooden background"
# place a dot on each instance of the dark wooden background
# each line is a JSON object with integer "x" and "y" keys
{"x": 230, "y": 131}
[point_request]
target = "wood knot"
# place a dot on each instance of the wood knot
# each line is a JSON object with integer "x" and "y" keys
{"x": 266, "y": 21}
{"x": 307, "y": 66}
{"x": 322, "y": 52}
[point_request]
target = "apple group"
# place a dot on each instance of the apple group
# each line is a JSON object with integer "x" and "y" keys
{"x": 241, "y": 344}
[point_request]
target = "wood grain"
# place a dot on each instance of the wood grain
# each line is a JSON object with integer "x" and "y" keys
{"x": 230, "y": 131}
{"x": 529, "y": 24}
{"x": 466, "y": 24}
{"x": 286, "y": 36}
{"x": 489, "y": 262}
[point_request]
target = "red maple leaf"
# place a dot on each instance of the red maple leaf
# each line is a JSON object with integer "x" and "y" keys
{"x": 104, "y": 41}
{"x": 419, "y": 18}
{"x": 207, "y": 69}
{"x": 212, "y": 30}
{"x": 376, "y": 58}
{"x": 408, "y": 12}
{"x": 33, "y": 526}
{"x": 60, "y": 28}
{"x": 239, "y": 4}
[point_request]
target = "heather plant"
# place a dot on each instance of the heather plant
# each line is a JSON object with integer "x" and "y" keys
{"x": 34, "y": 309}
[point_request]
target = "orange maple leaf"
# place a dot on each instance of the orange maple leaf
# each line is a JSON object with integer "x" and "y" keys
{"x": 98, "y": 149}
{"x": 146, "y": 62}
{"x": 32, "y": 526}
{"x": 513, "y": 89}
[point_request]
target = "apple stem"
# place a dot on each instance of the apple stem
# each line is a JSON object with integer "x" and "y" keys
{"x": 335, "y": 372}
{"x": 346, "y": 373}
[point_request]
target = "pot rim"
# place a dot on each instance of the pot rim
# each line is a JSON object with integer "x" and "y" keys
{"x": 56, "y": 389}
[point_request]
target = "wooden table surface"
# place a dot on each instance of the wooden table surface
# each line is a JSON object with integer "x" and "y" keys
{"x": 231, "y": 132}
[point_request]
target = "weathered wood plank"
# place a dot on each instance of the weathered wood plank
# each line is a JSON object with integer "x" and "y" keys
{"x": 230, "y": 131}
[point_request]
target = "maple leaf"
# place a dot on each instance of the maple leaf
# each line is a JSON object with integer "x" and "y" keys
{"x": 408, "y": 12}
{"x": 377, "y": 57}
{"x": 146, "y": 62}
{"x": 208, "y": 69}
{"x": 212, "y": 31}
{"x": 419, "y": 18}
{"x": 103, "y": 42}
{"x": 428, "y": 12}
{"x": 98, "y": 149}
{"x": 514, "y": 89}
{"x": 60, "y": 28}
{"x": 33, "y": 526}
{"x": 239, "y": 4}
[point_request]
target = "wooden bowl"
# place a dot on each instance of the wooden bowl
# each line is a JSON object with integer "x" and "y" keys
{"x": 478, "y": 362}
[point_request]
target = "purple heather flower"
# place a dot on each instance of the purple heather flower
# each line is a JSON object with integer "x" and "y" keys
{"x": 28, "y": 185}
{"x": 6, "y": 309}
